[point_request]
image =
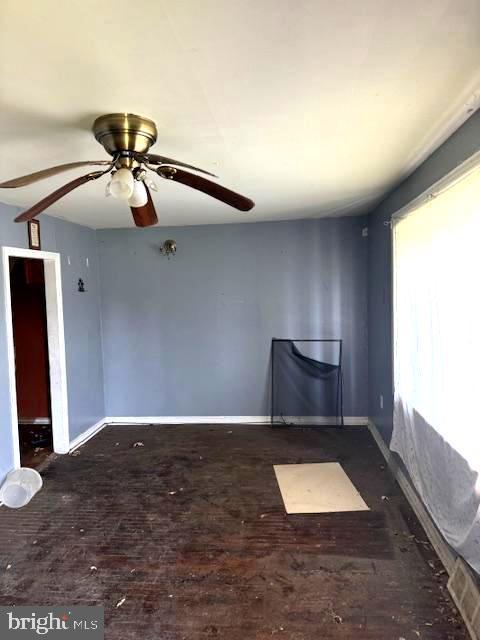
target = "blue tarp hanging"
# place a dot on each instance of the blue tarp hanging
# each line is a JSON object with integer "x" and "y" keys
{"x": 303, "y": 386}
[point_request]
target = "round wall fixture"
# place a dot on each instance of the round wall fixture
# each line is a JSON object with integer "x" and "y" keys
{"x": 168, "y": 248}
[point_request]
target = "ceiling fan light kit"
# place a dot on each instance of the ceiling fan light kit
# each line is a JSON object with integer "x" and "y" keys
{"x": 128, "y": 138}
{"x": 139, "y": 196}
{"x": 122, "y": 184}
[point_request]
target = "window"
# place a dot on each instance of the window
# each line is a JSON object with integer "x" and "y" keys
{"x": 436, "y": 257}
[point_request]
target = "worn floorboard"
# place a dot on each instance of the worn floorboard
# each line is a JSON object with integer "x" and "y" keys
{"x": 191, "y": 530}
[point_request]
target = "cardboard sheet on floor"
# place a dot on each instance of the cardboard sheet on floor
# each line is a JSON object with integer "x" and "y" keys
{"x": 317, "y": 488}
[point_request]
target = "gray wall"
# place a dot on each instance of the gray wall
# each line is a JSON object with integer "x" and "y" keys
{"x": 458, "y": 148}
{"x": 82, "y": 323}
{"x": 191, "y": 335}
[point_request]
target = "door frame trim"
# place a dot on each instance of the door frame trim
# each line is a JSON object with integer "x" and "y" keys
{"x": 56, "y": 347}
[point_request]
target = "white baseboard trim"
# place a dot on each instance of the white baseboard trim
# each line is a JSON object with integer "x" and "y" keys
{"x": 352, "y": 421}
{"x": 165, "y": 420}
{"x": 325, "y": 421}
{"x": 444, "y": 552}
{"x": 86, "y": 435}
{"x": 254, "y": 420}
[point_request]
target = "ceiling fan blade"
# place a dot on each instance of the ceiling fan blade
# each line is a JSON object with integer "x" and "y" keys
{"x": 152, "y": 158}
{"x": 23, "y": 181}
{"x": 207, "y": 186}
{"x": 145, "y": 216}
{"x": 56, "y": 195}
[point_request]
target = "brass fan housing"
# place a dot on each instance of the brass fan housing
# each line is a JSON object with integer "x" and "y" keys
{"x": 125, "y": 132}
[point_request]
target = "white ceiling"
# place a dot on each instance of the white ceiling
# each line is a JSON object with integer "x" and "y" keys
{"x": 309, "y": 107}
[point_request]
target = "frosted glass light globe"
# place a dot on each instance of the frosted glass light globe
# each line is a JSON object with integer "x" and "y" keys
{"x": 139, "y": 197}
{"x": 121, "y": 185}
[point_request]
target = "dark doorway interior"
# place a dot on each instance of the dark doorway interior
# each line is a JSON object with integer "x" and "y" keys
{"x": 29, "y": 315}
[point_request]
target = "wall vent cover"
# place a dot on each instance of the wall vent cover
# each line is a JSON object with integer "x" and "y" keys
{"x": 466, "y": 596}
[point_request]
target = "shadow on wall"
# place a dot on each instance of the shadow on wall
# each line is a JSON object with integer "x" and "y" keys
{"x": 322, "y": 294}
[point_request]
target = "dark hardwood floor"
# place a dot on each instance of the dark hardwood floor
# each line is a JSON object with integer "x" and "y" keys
{"x": 189, "y": 534}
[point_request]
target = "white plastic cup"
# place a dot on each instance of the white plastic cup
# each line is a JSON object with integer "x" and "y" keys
{"x": 19, "y": 487}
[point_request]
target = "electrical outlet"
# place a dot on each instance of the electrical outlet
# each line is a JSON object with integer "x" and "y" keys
{"x": 381, "y": 401}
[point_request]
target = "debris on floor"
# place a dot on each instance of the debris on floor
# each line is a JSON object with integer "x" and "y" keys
{"x": 335, "y": 617}
{"x": 210, "y": 545}
{"x": 138, "y": 444}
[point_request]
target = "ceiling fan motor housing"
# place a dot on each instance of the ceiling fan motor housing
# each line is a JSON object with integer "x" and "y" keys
{"x": 125, "y": 133}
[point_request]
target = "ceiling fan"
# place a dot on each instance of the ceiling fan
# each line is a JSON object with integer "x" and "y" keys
{"x": 128, "y": 138}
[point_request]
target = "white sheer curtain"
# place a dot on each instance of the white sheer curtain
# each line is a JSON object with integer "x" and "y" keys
{"x": 436, "y": 250}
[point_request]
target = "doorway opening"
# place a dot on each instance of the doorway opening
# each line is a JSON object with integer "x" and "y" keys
{"x": 36, "y": 355}
{"x": 32, "y": 369}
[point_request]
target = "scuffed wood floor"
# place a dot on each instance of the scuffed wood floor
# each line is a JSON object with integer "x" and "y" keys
{"x": 191, "y": 531}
